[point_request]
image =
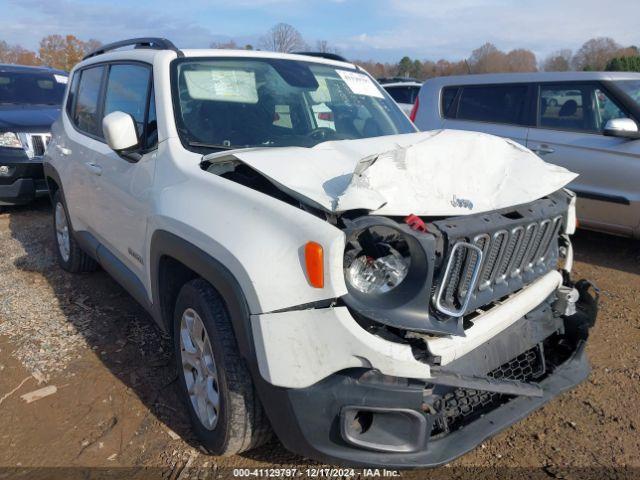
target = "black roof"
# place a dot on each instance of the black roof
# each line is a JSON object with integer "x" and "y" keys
{"x": 327, "y": 55}
{"x": 9, "y": 67}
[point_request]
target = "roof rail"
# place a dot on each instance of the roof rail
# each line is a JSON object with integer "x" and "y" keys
{"x": 144, "y": 42}
{"x": 328, "y": 56}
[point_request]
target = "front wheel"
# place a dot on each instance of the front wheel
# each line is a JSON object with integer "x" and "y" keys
{"x": 225, "y": 411}
{"x": 70, "y": 256}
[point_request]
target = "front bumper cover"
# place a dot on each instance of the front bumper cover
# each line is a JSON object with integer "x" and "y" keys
{"x": 310, "y": 421}
{"x": 25, "y": 180}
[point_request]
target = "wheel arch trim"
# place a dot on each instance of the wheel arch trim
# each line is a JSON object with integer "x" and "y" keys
{"x": 166, "y": 244}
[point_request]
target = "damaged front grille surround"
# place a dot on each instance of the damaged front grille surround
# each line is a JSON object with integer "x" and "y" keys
{"x": 512, "y": 256}
{"x": 460, "y": 265}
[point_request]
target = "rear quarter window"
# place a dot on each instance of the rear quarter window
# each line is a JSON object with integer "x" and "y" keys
{"x": 86, "y": 114}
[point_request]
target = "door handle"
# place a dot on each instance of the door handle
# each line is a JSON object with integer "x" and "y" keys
{"x": 542, "y": 150}
{"x": 94, "y": 168}
{"x": 63, "y": 150}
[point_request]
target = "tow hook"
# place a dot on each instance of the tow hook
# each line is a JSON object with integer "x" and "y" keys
{"x": 568, "y": 296}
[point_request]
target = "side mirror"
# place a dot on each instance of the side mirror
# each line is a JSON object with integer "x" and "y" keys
{"x": 622, "y": 128}
{"x": 120, "y": 132}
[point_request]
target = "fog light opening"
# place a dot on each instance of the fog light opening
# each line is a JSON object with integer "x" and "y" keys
{"x": 362, "y": 422}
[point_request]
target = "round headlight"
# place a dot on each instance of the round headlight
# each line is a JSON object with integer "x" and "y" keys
{"x": 377, "y": 260}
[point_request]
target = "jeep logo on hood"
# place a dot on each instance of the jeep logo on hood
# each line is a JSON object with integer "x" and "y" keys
{"x": 461, "y": 203}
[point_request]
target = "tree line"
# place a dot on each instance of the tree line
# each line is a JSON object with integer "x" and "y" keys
{"x": 602, "y": 53}
{"x": 56, "y": 51}
{"x": 596, "y": 54}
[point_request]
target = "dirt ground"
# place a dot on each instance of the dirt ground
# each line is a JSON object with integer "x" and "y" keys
{"x": 116, "y": 403}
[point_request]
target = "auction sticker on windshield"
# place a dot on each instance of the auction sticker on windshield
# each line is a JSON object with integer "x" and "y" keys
{"x": 360, "y": 84}
{"x": 222, "y": 85}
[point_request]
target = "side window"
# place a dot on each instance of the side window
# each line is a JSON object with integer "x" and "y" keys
{"x": 86, "y": 112}
{"x": 73, "y": 89}
{"x": 563, "y": 107}
{"x": 606, "y": 109}
{"x": 495, "y": 103}
{"x": 578, "y": 107}
{"x": 448, "y": 96}
{"x": 127, "y": 91}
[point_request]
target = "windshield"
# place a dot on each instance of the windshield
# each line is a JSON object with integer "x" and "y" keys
{"x": 233, "y": 103}
{"x": 30, "y": 88}
{"x": 631, "y": 88}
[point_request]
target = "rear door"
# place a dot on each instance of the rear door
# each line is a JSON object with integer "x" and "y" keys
{"x": 77, "y": 148}
{"x": 503, "y": 110}
{"x": 570, "y": 120}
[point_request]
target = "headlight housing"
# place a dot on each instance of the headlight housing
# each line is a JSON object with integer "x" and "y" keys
{"x": 377, "y": 260}
{"x": 388, "y": 272}
{"x": 10, "y": 140}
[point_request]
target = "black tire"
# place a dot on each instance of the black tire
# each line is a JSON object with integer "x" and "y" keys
{"x": 78, "y": 261}
{"x": 241, "y": 423}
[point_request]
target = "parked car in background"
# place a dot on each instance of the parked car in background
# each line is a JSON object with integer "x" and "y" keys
{"x": 404, "y": 93}
{"x": 360, "y": 287}
{"x": 584, "y": 121}
{"x": 30, "y": 99}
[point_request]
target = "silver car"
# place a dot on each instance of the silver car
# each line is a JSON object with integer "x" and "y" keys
{"x": 584, "y": 121}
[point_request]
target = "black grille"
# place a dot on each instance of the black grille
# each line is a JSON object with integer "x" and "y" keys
{"x": 462, "y": 405}
{"x": 507, "y": 256}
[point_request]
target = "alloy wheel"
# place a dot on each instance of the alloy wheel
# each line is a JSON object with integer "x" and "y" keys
{"x": 199, "y": 369}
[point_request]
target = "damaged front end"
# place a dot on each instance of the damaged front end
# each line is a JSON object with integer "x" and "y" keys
{"x": 458, "y": 319}
{"x": 465, "y": 279}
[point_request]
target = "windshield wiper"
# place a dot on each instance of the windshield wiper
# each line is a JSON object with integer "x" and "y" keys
{"x": 212, "y": 145}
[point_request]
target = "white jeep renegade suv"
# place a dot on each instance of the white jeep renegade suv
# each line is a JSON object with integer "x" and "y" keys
{"x": 374, "y": 295}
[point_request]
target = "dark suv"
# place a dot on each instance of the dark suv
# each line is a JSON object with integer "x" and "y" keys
{"x": 30, "y": 99}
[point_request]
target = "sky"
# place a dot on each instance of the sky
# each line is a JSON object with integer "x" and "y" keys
{"x": 383, "y": 30}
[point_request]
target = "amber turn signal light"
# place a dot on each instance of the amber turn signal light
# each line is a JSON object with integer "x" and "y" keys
{"x": 314, "y": 261}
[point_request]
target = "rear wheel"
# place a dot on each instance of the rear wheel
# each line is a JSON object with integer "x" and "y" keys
{"x": 223, "y": 405}
{"x": 70, "y": 256}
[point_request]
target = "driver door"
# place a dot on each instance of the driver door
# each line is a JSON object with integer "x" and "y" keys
{"x": 569, "y": 132}
{"x": 124, "y": 185}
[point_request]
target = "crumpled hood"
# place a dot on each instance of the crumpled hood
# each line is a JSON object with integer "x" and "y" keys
{"x": 437, "y": 173}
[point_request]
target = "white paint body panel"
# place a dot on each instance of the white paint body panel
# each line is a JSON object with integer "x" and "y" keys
{"x": 421, "y": 173}
{"x": 258, "y": 238}
{"x": 297, "y": 349}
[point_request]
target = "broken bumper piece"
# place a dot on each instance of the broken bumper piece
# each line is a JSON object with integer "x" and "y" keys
{"x": 361, "y": 417}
